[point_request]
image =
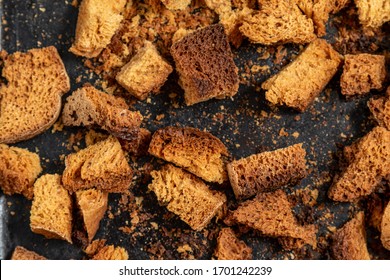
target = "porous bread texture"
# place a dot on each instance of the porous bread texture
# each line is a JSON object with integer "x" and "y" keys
{"x": 102, "y": 165}
{"x": 110, "y": 252}
{"x": 380, "y": 109}
{"x": 146, "y": 72}
{"x": 205, "y": 65}
{"x": 369, "y": 163}
{"x": 51, "y": 210}
{"x": 270, "y": 213}
{"x": 97, "y": 22}
{"x": 385, "y": 227}
{"x": 297, "y": 84}
{"x": 92, "y": 204}
{"x": 186, "y": 196}
{"x": 373, "y": 13}
{"x": 319, "y": 11}
{"x": 21, "y": 253}
{"x": 88, "y": 106}
{"x": 30, "y": 101}
{"x": 176, "y": 4}
{"x": 278, "y": 22}
{"x": 349, "y": 242}
{"x": 266, "y": 171}
{"x": 198, "y": 152}
{"x": 19, "y": 168}
{"x": 361, "y": 73}
{"x": 229, "y": 247}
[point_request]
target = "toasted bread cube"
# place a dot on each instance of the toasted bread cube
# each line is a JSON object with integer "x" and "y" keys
{"x": 21, "y": 253}
{"x": 373, "y": 13}
{"x": 229, "y": 247}
{"x": 380, "y": 109}
{"x": 146, "y": 72}
{"x": 110, "y": 252}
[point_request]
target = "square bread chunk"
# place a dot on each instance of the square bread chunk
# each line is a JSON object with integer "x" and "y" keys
{"x": 19, "y": 168}
{"x": 302, "y": 80}
{"x": 369, "y": 163}
{"x": 229, "y": 247}
{"x": 186, "y": 195}
{"x": 88, "y": 106}
{"x": 266, "y": 171}
{"x": 380, "y": 109}
{"x": 373, "y": 13}
{"x": 102, "y": 165}
{"x": 146, "y": 72}
{"x": 197, "y": 151}
{"x": 92, "y": 204}
{"x": 361, "y": 73}
{"x": 97, "y": 22}
{"x": 349, "y": 242}
{"x": 205, "y": 65}
{"x": 271, "y": 214}
{"x": 21, "y": 253}
{"x": 278, "y": 22}
{"x": 51, "y": 210}
{"x": 385, "y": 227}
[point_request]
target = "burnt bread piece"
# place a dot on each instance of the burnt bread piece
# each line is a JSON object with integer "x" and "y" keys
{"x": 19, "y": 168}
{"x": 92, "y": 204}
{"x": 88, "y": 106}
{"x": 361, "y": 73}
{"x": 369, "y": 163}
{"x": 229, "y": 247}
{"x": 30, "y": 101}
{"x": 205, "y": 65}
{"x": 380, "y": 109}
{"x": 51, "y": 210}
{"x": 186, "y": 195}
{"x": 267, "y": 171}
{"x": 271, "y": 214}
{"x": 349, "y": 242}
{"x": 198, "y": 152}
{"x": 97, "y": 22}
{"x": 102, "y": 165}
{"x": 301, "y": 81}
{"x": 21, "y": 253}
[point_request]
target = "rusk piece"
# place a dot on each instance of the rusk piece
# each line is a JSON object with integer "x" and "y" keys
{"x": 385, "y": 227}
{"x": 19, "y": 168}
{"x": 205, "y": 65}
{"x": 266, "y": 171}
{"x": 51, "y": 210}
{"x": 361, "y": 73}
{"x": 349, "y": 242}
{"x": 92, "y": 204}
{"x": 186, "y": 195}
{"x": 30, "y": 102}
{"x": 97, "y": 22}
{"x": 373, "y": 13}
{"x": 271, "y": 214}
{"x": 229, "y": 247}
{"x": 88, "y": 106}
{"x": 146, "y": 72}
{"x": 102, "y": 165}
{"x": 380, "y": 109}
{"x": 197, "y": 151}
{"x": 21, "y": 253}
{"x": 369, "y": 163}
{"x": 302, "y": 80}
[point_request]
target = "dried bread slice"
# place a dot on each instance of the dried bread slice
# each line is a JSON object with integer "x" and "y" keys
{"x": 186, "y": 195}
{"x": 349, "y": 242}
{"x": 51, "y": 210}
{"x": 21, "y": 253}
{"x": 102, "y": 165}
{"x": 197, "y": 151}
{"x": 302, "y": 80}
{"x": 380, "y": 109}
{"x": 229, "y": 247}
{"x": 271, "y": 214}
{"x": 373, "y": 13}
{"x": 278, "y": 22}
{"x": 97, "y": 22}
{"x": 369, "y": 163}
{"x": 205, "y": 65}
{"x": 385, "y": 227}
{"x": 19, "y": 168}
{"x": 92, "y": 204}
{"x": 30, "y": 102}
{"x": 266, "y": 171}
{"x": 88, "y": 106}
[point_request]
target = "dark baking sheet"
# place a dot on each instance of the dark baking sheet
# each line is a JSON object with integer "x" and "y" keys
{"x": 245, "y": 123}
